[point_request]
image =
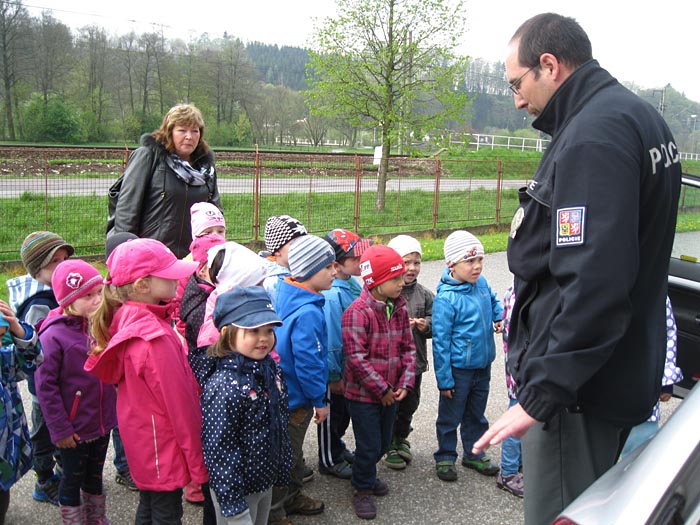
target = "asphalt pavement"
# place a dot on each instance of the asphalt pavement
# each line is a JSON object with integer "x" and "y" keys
{"x": 416, "y": 496}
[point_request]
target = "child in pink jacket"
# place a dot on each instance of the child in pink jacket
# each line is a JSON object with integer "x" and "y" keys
{"x": 158, "y": 409}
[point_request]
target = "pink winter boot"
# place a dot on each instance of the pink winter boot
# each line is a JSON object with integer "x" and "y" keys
{"x": 94, "y": 508}
{"x": 71, "y": 515}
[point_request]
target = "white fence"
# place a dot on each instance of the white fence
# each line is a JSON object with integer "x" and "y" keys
{"x": 480, "y": 141}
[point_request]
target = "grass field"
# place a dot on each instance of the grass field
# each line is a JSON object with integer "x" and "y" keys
{"x": 82, "y": 219}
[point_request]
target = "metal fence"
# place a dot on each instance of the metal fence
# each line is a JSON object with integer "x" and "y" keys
{"x": 325, "y": 191}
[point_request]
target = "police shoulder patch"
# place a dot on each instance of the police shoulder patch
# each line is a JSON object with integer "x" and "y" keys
{"x": 571, "y": 226}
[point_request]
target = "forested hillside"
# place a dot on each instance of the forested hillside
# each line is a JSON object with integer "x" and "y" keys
{"x": 89, "y": 86}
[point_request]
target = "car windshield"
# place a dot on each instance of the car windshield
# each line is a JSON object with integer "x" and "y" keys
{"x": 686, "y": 245}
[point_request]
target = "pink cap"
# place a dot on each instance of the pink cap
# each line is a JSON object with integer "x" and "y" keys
{"x": 139, "y": 258}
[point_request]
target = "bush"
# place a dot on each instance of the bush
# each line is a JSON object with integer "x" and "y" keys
{"x": 51, "y": 120}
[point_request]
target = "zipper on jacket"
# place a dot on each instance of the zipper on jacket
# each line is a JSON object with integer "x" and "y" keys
{"x": 74, "y": 407}
{"x": 102, "y": 421}
{"x": 185, "y": 217}
{"x": 155, "y": 445}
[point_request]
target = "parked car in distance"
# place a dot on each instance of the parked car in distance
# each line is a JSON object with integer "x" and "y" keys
{"x": 659, "y": 482}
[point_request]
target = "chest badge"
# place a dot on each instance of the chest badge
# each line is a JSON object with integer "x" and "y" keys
{"x": 516, "y": 222}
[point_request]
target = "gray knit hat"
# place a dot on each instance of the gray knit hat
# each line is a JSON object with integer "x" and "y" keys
{"x": 307, "y": 255}
{"x": 39, "y": 248}
{"x": 462, "y": 246}
{"x": 280, "y": 229}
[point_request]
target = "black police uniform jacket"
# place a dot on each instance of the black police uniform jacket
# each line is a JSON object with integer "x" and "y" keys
{"x": 589, "y": 248}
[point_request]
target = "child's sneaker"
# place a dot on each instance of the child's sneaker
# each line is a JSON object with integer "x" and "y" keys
{"x": 308, "y": 474}
{"x": 363, "y": 504}
{"x": 482, "y": 465}
{"x": 380, "y": 488}
{"x": 304, "y": 505}
{"x": 341, "y": 470}
{"x": 47, "y": 490}
{"x": 348, "y": 456}
{"x": 394, "y": 461}
{"x": 125, "y": 479}
{"x": 446, "y": 470}
{"x": 512, "y": 483}
{"x": 403, "y": 447}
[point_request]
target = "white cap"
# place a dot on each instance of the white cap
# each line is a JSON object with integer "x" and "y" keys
{"x": 405, "y": 244}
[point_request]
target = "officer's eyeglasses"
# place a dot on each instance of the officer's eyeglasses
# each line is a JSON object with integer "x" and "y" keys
{"x": 515, "y": 85}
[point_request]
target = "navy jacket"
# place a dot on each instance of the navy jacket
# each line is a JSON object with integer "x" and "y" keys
{"x": 589, "y": 247}
{"x": 244, "y": 430}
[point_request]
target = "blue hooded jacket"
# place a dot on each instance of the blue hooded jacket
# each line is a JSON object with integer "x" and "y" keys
{"x": 463, "y": 317}
{"x": 338, "y": 299}
{"x": 302, "y": 344}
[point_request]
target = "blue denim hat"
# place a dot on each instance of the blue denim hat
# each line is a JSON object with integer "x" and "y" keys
{"x": 245, "y": 307}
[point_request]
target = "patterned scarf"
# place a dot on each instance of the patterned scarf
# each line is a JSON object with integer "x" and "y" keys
{"x": 186, "y": 173}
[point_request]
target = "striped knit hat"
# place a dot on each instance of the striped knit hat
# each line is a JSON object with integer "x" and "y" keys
{"x": 307, "y": 255}
{"x": 461, "y": 246}
{"x": 72, "y": 279}
{"x": 39, "y": 248}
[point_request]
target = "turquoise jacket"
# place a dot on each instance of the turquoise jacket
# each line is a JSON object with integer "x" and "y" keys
{"x": 463, "y": 317}
{"x": 338, "y": 298}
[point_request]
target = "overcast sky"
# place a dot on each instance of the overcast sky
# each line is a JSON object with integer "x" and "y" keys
{"x": 650, "y": 43}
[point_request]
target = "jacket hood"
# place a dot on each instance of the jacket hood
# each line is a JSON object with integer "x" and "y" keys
{"x": 55, "y": 317}
{"x": 196, "y": 293}
{"x": 448, "y": 283}
{"x": 22, "y": 288}
{"x": 276, "y": 270}
{"x": 295, "y": 297}
{"x": 132, "y": 320}
{"x": 571, "y": 96}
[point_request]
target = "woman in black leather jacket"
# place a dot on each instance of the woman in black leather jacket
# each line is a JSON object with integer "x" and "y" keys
{"x": 172, "y": 170}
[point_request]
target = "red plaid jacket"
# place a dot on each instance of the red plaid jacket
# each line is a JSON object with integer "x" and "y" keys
{"x": 380, "y": 352}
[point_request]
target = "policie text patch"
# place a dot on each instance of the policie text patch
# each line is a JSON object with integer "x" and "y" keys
{"x": 571, "y": 226}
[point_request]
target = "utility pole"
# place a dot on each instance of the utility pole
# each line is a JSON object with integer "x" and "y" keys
{"x": 662, "y": 102}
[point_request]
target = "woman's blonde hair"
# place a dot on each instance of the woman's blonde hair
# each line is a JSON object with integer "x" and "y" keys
{"x": 182, "y": 115}
{"x": 112, "y": 298}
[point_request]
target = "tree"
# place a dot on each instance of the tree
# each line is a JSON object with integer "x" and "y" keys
{"x": 14, "y": 23}
{"x": 93, "y": 49}
{"x": 53, "y": 54}
{"x": 390, "y": 64}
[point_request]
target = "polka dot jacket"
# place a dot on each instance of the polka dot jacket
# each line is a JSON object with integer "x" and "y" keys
{"x": 244, "y": 432}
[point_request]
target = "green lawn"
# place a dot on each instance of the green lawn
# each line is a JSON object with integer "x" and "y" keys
{"x": 81, "y": 220}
